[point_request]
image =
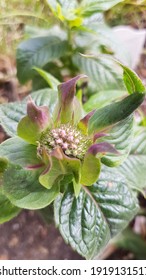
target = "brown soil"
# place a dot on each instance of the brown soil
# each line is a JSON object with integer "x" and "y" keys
{"x": 27, "y": 237}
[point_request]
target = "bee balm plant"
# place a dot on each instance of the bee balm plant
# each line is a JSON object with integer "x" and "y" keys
{"x": 60, "y": 154}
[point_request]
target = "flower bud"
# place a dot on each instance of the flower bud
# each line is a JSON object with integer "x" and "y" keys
{"x": 38, "y": 114}
{"x": 37, "y": 120}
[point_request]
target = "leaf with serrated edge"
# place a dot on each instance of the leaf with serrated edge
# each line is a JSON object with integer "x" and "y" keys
{"x": 99, "y": 213}
{"x": 12, "y": 113}
{"x": 132, "y": 82}
{"x": 121, "y": 136}
{"x": 37, "y": 52}
{"x": 104, "y": 73}
{"x": 134, "y": 167}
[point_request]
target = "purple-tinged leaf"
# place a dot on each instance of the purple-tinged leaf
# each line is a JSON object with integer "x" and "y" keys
{"x": 38, "y": 114}
{"x": 66, "y": 99}
{"x": 34, "y": 167}
{"x": 60, "y": 165}
{"x": 99, "y": 135}
{"x": 102, "y": 148}
{"x": 83, "y": 123}
{"x": 57, "y": 152}
{"x": 91, "y": 165}
{"x": 37, "y": 120}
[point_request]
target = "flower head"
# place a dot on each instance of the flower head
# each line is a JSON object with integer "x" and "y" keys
{"x": 63, "y": 143}
{"x": 69, "y": 138}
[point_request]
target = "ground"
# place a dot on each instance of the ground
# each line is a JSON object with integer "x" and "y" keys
{"x": 27, "y": 237}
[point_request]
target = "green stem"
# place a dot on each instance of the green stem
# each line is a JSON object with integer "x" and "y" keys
{"x": 70, "y": 38}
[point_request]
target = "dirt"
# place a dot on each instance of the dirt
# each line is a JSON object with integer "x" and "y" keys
{"x": 27, "y": 237}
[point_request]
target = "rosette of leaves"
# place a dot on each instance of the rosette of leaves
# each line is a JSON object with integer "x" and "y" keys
{"x": 62, "y": 154}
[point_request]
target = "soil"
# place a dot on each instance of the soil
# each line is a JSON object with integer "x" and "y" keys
{"x": 27, "y": 237}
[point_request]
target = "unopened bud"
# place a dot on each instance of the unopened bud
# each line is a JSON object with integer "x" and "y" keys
{"x": 65, "y": 146}
{"x": 70, "y": 138}
{"x": 59, "y": 141}
{"x": 68, "y": 152}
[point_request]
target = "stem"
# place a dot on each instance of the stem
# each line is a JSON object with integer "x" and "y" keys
{"x": 69, "y": 37}
{"x": 142, "y": 212}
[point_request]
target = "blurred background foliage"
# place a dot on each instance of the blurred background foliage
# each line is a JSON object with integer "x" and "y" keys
{"x": 14, "y": 15}
{"x": 128, "y": 12}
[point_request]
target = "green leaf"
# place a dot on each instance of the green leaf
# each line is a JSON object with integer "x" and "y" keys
{"x": 88, "y": 8}
{"x": 3, "y": 165}
{"x": 53, "y": 82}
{"x": 19, "y": 152}
{"x": 46, "y": 97}
{"x": 90, "y": 169}
{"x": 52, "y": 4}
{"x": 65, "y": 11}
{"x": 28, "y": 131}
{"x": 23, "y": 189}
{"x": 7, "y": 210}
{"x": 31, "y": 31}
{"x": 132, "y": 82}
{"x": 139, "y": 144}
{"x": 114, "y": 112}
{"x": 99, "y": 213}
{"x": 134, "y": 168}
{"x": 77, "y": 188}
{"x": 121, "y": 136}
{"x": 60, "y": 165}
{"x": 47, "y": 214}
{"x": 36, "y": 121}
{"x": 103, "y": 98}
{"x": 12, "y": 113}
{"x": 37, "y": 52}
{"x": 132, "y": 242}
{"x": 67, "y": 5}
{"x": 104, "y": 73}
{"x": 70, "y": 109}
